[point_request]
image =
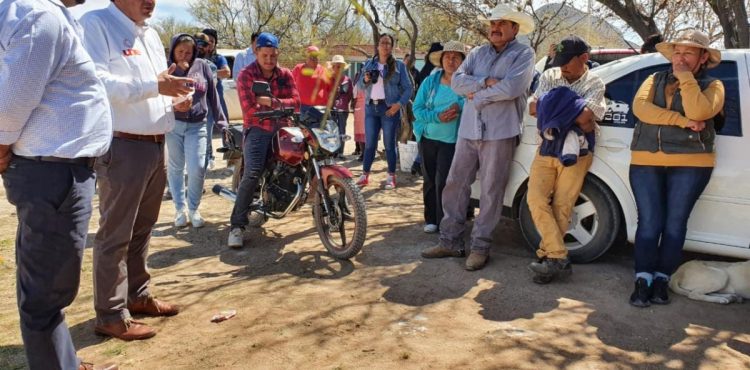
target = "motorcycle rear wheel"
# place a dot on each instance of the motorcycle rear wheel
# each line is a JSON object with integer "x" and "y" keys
{"x": 343, "y": 231}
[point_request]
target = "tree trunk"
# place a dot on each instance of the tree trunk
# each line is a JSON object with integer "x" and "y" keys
{"x": 643, "y": 24}
{"x": 733, "y": 18}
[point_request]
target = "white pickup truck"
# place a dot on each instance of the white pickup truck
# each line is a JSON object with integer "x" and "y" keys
{"x": 606, "y": 211}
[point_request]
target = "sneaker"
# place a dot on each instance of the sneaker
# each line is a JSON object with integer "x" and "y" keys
{"x": 180, "y": 219}
{"x": 211, "y": 164}
{"x": 641, "y": 294}
{"x": 390, "y": 182}
{"x": 439, "y": 251}
{"x": 195, "y": 218}
{"x": 430, "y": 228}
{"x": 476, "y": 261}
{"x": 660, "y": 291}
{"x": 235, "y": 238}
{"x": 363, "y": 180}
{"x": 548, "y": 269}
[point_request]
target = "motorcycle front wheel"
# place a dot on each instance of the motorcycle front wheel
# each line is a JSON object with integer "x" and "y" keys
{"x": 343, "y": 230}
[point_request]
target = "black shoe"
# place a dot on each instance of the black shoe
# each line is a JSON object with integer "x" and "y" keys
{"x": 641, "y": 293}
{"x": 361, "y": 157}
{"x": 548, "y": 269}
{"x": 660, "y": 291}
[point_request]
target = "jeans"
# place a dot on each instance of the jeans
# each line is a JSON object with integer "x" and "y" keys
{"x": 53, "y": 206}
{"x": 210, "y": 121}
{"x": 186, "y": 145}
{"x": 255, "y": 154}
{"x": 375, "y": 120}
{"x": 340, "y": 117}
{"x": 665, "y": 196}
{"x": 437, "y": 157}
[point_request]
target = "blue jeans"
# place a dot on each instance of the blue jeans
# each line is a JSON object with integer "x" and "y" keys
{"x": 255, "y": 149}
{"x": 665, "y": 196}
{"x": 375, "y": 120}
{"x": 186, "y": 145}
{"x": 341, "y": 117}
{"x": 53, "y": 206}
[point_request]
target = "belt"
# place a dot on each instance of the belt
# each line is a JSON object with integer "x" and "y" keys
{"x": 150, "y": 138}
{"x": 87, "y": 162}
{"x": 376, "y": 101}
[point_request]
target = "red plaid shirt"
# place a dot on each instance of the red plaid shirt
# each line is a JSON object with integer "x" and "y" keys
{"x": 282, "y": 87}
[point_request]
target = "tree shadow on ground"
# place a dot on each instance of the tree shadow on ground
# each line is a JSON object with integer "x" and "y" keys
{"x": 12, "y": 357}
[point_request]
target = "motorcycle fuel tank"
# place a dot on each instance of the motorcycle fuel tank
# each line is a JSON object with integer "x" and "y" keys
{"x": 289, "y": 145}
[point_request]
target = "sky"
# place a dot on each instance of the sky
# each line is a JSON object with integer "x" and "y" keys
{"x": 164, "y": 8}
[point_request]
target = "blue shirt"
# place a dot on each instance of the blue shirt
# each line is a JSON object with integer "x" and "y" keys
{"x": 495, "y": 112}
{"x": 241, "y": 60}
{"x": 398, "y": 88}
{"x": 54, "y": 104}
{"x": 432, "y": 99}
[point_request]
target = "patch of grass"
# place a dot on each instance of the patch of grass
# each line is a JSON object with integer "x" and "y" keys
{"x": 116, "y": 349}
{"x": 12, "y": 357}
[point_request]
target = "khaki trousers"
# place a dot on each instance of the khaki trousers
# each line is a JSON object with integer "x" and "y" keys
{"x": 553, "y": 191}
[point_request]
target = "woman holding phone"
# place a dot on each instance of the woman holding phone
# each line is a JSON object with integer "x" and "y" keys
{"x": 188, "y": 141}
{"x": 438, "y": 111}
{"x": 388, "y": 87}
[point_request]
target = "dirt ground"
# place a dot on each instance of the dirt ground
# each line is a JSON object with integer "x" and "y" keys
{"x": 386, "y": 308}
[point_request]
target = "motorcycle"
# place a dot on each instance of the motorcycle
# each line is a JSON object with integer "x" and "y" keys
{"x": 300, "y": 164}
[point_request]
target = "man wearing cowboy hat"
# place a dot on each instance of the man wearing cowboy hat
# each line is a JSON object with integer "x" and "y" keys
{"x": 672, "y": 157}
{"x": 554, "y": 185}
{"x": 494, "y": 79}
{"x": 344, "y": 94}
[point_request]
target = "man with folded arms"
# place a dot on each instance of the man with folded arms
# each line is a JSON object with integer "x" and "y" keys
{"x": 130, "y": 61}
{"x": 53, "y": 123}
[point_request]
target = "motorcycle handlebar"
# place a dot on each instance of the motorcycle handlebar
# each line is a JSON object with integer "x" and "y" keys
{"x": 276, "y": 113}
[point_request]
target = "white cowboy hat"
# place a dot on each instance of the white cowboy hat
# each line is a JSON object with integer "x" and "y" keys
{"x": 436, "y": 56}
{"x": 338, "y": 59}
{"x": 693, "y": 38}
{"x": 504, "y": 12}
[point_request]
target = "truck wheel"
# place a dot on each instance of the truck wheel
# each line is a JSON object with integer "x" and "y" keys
{"x": 595, "y": 223}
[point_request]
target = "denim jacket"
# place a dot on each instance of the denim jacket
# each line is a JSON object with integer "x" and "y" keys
{"x": 398, "y": 89}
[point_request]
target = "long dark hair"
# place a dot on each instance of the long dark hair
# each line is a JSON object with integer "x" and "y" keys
{"x": 391, "y": 61}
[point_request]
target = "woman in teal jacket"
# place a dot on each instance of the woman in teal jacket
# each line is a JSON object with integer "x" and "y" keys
{"x": 438, "y": 111}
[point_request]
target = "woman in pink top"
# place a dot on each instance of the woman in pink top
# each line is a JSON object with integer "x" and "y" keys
{"x": 359, "y": 120}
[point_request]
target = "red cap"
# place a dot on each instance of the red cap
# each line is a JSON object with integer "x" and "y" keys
{"x": 312, "y": 49}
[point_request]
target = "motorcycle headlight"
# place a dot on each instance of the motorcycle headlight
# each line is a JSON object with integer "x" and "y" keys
{"x": 328, "y": 137}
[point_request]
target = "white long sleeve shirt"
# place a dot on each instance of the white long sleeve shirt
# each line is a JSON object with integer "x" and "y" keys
{"x": 128, "y": 58}
{"x": 52, "y": 103}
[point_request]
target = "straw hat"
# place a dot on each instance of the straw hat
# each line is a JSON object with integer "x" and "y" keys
{"x": 436, "y": 56}
{"x": 338, "y": 59}
{"x": 693, "y": 38}
{"x": 504, "y": 12}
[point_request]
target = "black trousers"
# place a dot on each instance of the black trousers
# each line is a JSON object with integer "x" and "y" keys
{"x": 53, "y": 204}
{"x": 255, "y": 153}
{"x": 436, "y": 163}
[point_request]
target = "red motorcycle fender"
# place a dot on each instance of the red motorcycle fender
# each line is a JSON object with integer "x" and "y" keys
{"x": 328, "y": 171}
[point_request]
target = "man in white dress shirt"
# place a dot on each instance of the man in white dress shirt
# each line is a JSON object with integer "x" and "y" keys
{"x": 130, "y": 61}
{"x": 54, "y": 120}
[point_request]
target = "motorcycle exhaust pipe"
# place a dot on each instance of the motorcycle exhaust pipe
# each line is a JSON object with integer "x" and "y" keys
{"x": 224, "y": 192}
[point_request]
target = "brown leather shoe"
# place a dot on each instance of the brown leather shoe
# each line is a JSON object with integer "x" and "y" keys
{"x": 439, "y": 251}
{"x": 152, "y": 307}
{"x": 126, "y": 330}
{"x": 476, "y": 261}
{"x": 90, "y": 366}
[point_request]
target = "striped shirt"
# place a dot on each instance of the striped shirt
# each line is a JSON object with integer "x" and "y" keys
{"x": 53, "y": 103}
{"x": 589, "y": 87}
